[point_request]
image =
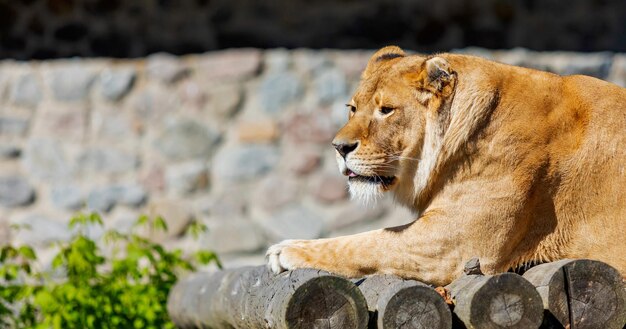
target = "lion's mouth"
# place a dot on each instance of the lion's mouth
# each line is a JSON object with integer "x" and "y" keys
{"x": 384, "y": 180}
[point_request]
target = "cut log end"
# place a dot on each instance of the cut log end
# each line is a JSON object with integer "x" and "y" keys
{"x": 581, "y": 293}
{"x": 413, "y": 307}
{"x": 327, "y": 302}
{"x": 505, "y": 301}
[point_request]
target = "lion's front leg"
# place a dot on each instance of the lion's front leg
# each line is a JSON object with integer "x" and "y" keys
{"x": 408, "y": 254}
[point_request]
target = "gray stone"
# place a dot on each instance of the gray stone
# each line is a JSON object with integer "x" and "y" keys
{"x": 71, "y": 83}
{"x": 230, "y": 235}
{"x": 339, "y": 113}
{"x": 11, "y": 126}
{"x": 595, "y": 64}
{"x": 618, "y": 70}
{"x": 105, "y": 198}
{"x": 275, "y": 191}
{"x": 309, "y": 127}
{"x": 310, "y": 61}
{"x": 45, "y": 159}
{"x": 187, "y": 177}
{"x": 475, "y": 51}
{"x": 279, "y": 89}
{"x": 116, "y": 83}
{"x": 354, "y": 214}
{"x": 328, "y": 188}
{"x": 26, "y": 91}
{"x": 15, "y": 191}
{"x": 165, "y": 67}
{"x": 293, "y": 222}
{"x": 8, "y": 151}
{"x": 68, "y": 197}
{"x": 39, "y": 230}
{"x": 101, "y": 199}
{"x": 114, "y": 126}
{"x": 176, "y": 215}
{"x": 302, "y": 160}
{"x": 121, "y": 220}
{"x": 106, "y": 160}
{"x": 67, "y": 122}
{"x": 5, "y": 232}
{"x": 229, "y": 203}
{"x": 241, "y": 163}
{"x": 153, "y": 102}
{"x": 129, "y": 194}
{"x": 330, "y": 84}
{"x": 185, "y": 139}
{"x": 277, "y": 60}
{"x": 224, "y": 100}
{"x": 228, "y": 65}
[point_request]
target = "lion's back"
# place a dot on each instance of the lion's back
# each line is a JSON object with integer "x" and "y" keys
{"x": 593, "y": 179}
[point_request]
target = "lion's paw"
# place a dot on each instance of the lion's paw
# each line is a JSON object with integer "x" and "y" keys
{"x": 284, "y": 256}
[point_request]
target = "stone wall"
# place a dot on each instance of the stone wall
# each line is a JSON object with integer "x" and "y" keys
{"x": 115, "y": 28}
{"x": 236, "y": 139}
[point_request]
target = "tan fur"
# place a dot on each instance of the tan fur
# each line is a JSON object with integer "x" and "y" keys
{"x": 507, "y": 164}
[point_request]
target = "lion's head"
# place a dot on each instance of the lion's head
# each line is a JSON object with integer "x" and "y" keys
{"x": 396, "y": 120}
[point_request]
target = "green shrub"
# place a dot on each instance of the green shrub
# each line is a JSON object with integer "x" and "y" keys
{"x": 126, "y": 290}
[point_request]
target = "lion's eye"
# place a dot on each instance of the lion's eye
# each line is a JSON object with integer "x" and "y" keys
{"x": 386, "y": 109}
{"x": 351, "y": 107}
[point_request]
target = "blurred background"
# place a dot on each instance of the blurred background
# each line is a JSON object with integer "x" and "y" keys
{"x": 222, "y": 112}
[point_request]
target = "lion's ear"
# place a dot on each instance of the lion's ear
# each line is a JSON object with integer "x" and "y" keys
{"x": 434, "y": 75}
{"x": 382, "y": 55}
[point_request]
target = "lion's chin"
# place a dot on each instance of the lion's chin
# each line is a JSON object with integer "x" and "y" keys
{"x": 368, "y": 190}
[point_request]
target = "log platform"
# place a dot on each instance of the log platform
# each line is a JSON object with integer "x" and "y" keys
{"x": 580, "y": 293}
{"x": 572, "y": 294}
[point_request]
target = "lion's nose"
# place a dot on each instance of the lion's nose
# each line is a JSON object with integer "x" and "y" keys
{"x": 344, "y": 147}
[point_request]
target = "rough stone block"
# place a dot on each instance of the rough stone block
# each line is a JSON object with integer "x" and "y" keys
{"x": 241, "y": 163}
{"x": 294, "y": 222}
{"x": 67, "y": 196}
{"x": 165, "y": 68}
{"x": 187, "y": 139}
{"x": 71, "y": 82}
{"x": 330, "y": 84}
{"x": 261, "y": 131}
{"x": 187, "y": 177}
{"x": 328, "y": 188}
{"x": 106, "y": 160}
{"x": 228, "y": 65}
{"x": 278, "y": 89}
{"x": 231, "y": 235}
{"x": 116, "y": 83}
{"x": 39, "y": 230}
{"x": 15, "y": 191}
{"x": 26, "y": 91}
{"x": 13, "y": 126}
{"x": 45, "y": 159}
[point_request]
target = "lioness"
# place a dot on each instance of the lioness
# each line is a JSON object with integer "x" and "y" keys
{"x": 504, "y": 163}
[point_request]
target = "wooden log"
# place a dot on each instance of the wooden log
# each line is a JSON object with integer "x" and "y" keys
{"x": 397, "y": 303}
{"x": 581, "y": 293}
{"x": 495, "y": 301}
{"x": 252, "y": 297}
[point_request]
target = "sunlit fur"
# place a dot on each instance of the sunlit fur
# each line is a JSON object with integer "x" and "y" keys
{"x": 508, "y": 164}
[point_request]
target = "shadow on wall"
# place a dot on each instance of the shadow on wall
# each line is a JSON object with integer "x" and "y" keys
{"x": 42, "y": 29}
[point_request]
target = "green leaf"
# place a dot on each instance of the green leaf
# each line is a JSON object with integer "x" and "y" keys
{"x": 94, "y": 218}
{"x": 195, "y": 229}
{"x": 27, "y": 252}
{"x": 142, "y": 220}
{"x": 57, "y": 261}
{"x": 205, "y": 257}
{"x": 160, "y": 224}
